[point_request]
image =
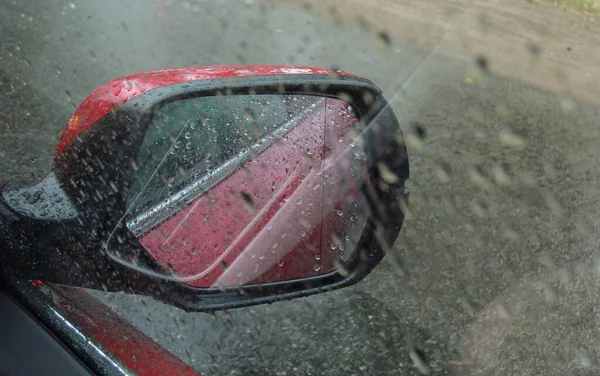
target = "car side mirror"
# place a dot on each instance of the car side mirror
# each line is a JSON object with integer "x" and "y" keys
{"x": 233, "y": 191}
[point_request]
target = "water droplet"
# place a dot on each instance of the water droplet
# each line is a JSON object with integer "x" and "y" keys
{"x": 567, "y": 104}
{"x": 317, "y": 267}
{"x": 341, "y": 268}
{"x": 500, "y": 175}
{"x": 386, "y": 174}
{"x": 317, "y": 256}
{"x": 187, "y": 135}
{"x": 333, "y": 246}
{"x": 585, "y": 360}
{"x": 511, "y": 234}
{"x": 478, "y": 177}
{"x": 416, "y": 136}
{"x": 512, "y": 139}
{"x": 249, "y": 115}
{"x": 247, "y": 200}
{"x": 304, "y": 222}
{"x": 443, "y": 172}
{"x": 280, "y": 263}
{"x": 479, "y": 208}
{"x": 533, "y": 49}
{"x": 178, "y": 144}
{"x": 483, "y": 63}
{"x": 384, "y": 42}
{"x": 418, "y": 358}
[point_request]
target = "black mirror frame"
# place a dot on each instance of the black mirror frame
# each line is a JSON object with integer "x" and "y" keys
{"x": 100, "y": 162}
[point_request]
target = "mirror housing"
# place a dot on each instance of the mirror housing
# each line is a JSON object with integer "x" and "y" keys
{"x": 96, "y": 160}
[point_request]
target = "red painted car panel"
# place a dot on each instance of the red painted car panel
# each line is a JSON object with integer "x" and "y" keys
{"x": 138, "y": 352}
{"x": 110, "y": 95}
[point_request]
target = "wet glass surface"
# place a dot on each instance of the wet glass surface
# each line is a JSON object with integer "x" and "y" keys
{"x": 246, "y": 189}
{"x": 495, "y": 271}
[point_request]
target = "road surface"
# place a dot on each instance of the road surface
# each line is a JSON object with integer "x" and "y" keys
{"x": 497, "y": 263}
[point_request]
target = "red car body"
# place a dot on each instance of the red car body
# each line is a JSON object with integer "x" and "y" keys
{"x": 110, "y": 95}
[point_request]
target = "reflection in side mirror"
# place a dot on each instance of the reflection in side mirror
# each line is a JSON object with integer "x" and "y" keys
{"x": 218, "y": 187}
{"x": 246, "y": 189}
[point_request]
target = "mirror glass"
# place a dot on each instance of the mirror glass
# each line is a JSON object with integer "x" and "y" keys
{"x": 246, "y": 189}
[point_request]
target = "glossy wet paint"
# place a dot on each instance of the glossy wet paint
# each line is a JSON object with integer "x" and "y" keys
{"x": 111, "y": 95}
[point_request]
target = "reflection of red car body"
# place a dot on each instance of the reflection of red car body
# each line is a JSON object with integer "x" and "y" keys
{"x": 218, "y": 226}
{"x": 212, "y": 231}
